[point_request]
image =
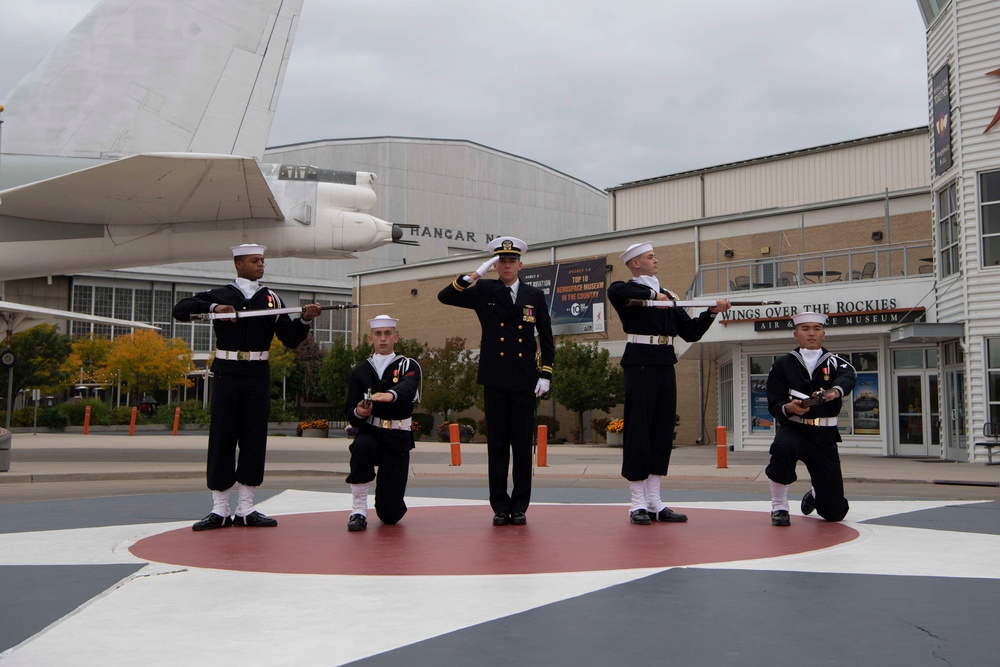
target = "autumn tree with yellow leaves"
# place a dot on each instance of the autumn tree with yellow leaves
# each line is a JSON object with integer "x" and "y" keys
{"x": 148, "y": 362}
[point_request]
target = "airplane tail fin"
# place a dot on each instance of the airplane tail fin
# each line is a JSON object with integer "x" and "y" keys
{"x": 141, "y": 76}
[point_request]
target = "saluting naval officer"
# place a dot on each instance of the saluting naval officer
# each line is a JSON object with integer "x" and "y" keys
{"x": 511, "y": 313}
{"x": 380, "y": 398}
{"x": 650, "y": 384}
{"x": 808, "y": 434}
{"x": 241, "y": 396}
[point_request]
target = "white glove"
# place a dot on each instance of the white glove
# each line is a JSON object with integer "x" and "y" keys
{"x": 487, "y": 265}
{"x": 541, "y": 387}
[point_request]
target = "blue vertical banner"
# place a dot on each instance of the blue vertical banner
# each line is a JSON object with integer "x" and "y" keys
{"x": 574, "y": 292}
{"x": 760, "y": 417}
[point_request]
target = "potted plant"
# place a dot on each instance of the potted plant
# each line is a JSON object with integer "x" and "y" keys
{"x": 614, "y": 434}
{"x": 465, "y": 432}
{"x": 313, "y": 428}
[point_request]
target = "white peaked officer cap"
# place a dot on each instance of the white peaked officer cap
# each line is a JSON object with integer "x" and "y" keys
{"x": 508, "y": 245}
{"x": 382, "y": 322}
{"x": 809, "y": 318}
{"x": 635, "y": 250}
{"x": 248, "y": 249}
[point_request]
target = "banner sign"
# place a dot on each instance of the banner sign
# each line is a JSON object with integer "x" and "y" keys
{"x": 941, "y": 120}
{"x": 855, "y": 319}
{"x": 574, "y": 293}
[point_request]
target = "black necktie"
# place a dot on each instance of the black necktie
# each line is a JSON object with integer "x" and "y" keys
{"x": 512, "y": 297}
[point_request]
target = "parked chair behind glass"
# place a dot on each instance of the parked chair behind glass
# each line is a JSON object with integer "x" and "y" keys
{"x": 868, "y": 272}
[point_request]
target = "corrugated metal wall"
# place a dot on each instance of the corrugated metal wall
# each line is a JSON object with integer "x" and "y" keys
{"x": 898, "y": 162}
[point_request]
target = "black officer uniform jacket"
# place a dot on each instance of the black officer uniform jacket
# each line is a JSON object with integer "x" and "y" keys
{"x": 655, "y": 321}
{"x": 507, "y": 348}
{"x": 402, "y": 377}
{"x": 789, "y": 372}
{"x": 251, "y": 334}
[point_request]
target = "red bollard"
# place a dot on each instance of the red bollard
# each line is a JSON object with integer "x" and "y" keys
{"x": 86, "y": 421}
{"x": 177, "y": 419}
{"x": 131, "y": 426}
{"x": 456, "y": 450}
{"x": 543, "y": 446}
{"x": 720, "y": 440}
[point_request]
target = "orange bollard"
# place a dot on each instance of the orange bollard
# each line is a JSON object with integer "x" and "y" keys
{"x": 543, "y": 446}
{"x": 131, "y": 425}
{"x": 456, "y": 450}
{"x": 720, "y": 439}
{"x": 86, "y": 421}
{"x": 177, "y": 419}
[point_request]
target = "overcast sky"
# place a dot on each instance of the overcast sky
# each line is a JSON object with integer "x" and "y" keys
{"x": 605, "y": 92}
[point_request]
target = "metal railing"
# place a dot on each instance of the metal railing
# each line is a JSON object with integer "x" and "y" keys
{"x": 905, "y": 260}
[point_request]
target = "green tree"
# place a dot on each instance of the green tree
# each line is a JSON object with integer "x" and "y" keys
{"x": 40, "y": 353}
{"x": 304, "y": 377}
{"x": 449, "y": 378}
{"x": 586, "y": 380}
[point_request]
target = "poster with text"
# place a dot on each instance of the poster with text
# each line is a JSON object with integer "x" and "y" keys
{"x": 865, "y": 400}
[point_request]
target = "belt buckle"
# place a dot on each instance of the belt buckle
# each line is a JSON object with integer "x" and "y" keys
{"x": 385, "y": 423}
{"x": 663, "y": 340}
{"x": 242, "y": 356}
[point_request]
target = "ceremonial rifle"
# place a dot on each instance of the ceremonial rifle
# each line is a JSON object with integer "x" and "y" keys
{"x": 704, "y": 303}
{"x": 240, "y": 314}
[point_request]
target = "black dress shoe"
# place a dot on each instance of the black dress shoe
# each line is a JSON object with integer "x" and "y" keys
{"x": 500, "y": 519}
{"x": 213, "y": 521}
{"x": 667, "y": 515}
{"x": 639, "y": 517}
{"x": 254, "y": 520}
{"x": 356, "y": 522}
{"x": 780, "y": 518}
{"x": 518, "y": 519}
{"x": 808, "y": 505}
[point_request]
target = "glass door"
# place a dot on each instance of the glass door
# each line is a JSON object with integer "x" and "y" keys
{"x": 918, "y": 431}
{"x": 956, "y": 444}
{"x": 918, "y": 414}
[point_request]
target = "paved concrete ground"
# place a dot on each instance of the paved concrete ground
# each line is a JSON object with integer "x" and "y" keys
{"x": 98, "y": 564}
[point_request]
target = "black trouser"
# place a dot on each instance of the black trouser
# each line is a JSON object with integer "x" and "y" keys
{"x": 368, "y": 451}
{"x": 798, "y": 442}
{"x": 650, "y": 406}
{"x": 240, "y": 407}
{"x": 509, "y": 417}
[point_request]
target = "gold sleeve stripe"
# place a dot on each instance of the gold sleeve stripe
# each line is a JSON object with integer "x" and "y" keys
{"x": 454, "y": 283}
{"x": 547, "y": 368}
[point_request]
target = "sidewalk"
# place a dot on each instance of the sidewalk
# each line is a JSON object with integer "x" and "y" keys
{"x": 76, "y": 457}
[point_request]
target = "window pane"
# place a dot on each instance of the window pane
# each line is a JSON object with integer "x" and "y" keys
{"x": 760, "y": 365}
{"x": 991, "y": 219}
{"x": 865, "y": 361}
{"x": 994, "y": 386}
{"x": 907, "y": 359}
{"x": 991, "y": 251}
{"x": 989, "y": 186}
{"x": 993, "y": 347}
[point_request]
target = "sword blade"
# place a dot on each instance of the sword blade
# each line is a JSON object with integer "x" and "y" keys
{"x": 278, "y": 311}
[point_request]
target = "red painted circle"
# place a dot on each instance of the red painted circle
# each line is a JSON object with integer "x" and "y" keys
{"x": 460, "y": 540}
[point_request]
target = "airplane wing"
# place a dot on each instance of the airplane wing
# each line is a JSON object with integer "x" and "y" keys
{"x": 151, "y": 189}
{"x": 143, "y": 76}
{"x": 16, "y": 317}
